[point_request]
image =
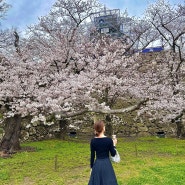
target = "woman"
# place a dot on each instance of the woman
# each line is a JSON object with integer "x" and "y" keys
{"x": 102, "y": 170}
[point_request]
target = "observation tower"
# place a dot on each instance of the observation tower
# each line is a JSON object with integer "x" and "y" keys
{"x": 107, "y": 22}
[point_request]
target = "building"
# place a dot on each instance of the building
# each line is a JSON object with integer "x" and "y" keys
{"x": 107, "y": 22}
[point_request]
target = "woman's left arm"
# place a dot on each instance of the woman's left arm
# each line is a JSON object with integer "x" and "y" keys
{"x": 112, "y": 149}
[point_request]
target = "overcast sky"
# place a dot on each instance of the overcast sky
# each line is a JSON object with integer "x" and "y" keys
{"x": 26, "y": 12}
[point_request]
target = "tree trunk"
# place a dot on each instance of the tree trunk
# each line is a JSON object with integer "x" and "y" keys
{"x": 180, "y": 129}
{"x": 63, "y": 128}
{"x": 109, "y": 128}
{"x": 180, "y": 125}
{"x": 10, "y": 141}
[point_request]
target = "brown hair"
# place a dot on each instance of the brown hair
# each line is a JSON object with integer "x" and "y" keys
{"x": 98, "y": 126}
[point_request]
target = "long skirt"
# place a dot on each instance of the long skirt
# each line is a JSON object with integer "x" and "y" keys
{"x": 102, "y": 173}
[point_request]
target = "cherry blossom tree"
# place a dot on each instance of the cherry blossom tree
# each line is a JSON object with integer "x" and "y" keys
{"x": 168, "y": 21}
{"x": 91, "y": 82}
{"x": 60, "y": 72}
{"x": 104, "y": 76}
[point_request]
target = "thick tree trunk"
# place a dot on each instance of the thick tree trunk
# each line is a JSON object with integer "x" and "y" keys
{"x": 10, "y": 141}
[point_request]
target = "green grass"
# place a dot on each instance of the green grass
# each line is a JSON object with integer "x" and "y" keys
{"x": 144, "y": 161}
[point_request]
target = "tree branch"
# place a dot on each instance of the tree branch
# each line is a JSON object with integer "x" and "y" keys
{"x": 115, "y": 111}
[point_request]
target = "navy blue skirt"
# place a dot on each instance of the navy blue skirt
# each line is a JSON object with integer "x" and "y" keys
{"x": 102, "y": 173}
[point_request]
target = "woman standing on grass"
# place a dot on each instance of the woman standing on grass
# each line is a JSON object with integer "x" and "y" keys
{"x": 102, "y": 170}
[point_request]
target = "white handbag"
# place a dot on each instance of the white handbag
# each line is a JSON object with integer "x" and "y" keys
{"x": 116, "y": 158}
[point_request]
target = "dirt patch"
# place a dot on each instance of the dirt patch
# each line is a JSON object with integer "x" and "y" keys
{"x": 4, "y": 155}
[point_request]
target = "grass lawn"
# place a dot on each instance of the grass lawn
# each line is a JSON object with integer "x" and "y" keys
{"x": 144, "y": 161}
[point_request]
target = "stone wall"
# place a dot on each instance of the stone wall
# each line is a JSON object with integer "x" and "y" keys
{"x": 140, "y": 127}
{"x": 39, "y": 131}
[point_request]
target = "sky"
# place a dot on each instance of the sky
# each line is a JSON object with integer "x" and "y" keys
{"x": 26, "y": 12}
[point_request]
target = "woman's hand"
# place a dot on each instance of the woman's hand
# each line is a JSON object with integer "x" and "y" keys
{"x": 114, "y": 141}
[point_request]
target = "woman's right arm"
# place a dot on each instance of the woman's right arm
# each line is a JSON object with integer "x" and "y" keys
{"x": 92, "y": 154}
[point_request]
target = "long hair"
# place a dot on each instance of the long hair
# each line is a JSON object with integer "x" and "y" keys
{"x": 98, "y": 127}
